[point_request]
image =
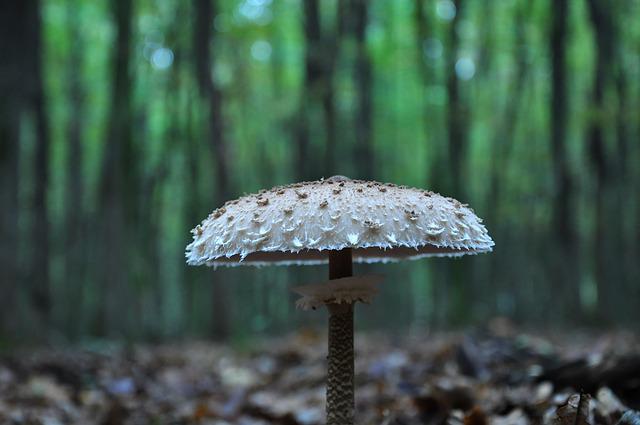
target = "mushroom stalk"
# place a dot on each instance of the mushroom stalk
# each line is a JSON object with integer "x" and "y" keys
{"x": 340, "y": 387}
{"x": 302, "y": 222}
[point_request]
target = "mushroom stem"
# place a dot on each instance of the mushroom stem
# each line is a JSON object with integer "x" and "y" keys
{"x": 340, "y": 264}
{"x": 340, "y": 388}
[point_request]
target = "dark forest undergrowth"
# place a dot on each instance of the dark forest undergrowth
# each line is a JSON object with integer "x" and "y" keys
{"x": 497, "y": 375}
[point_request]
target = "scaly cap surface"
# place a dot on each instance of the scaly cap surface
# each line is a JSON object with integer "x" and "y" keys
{"x": 298, "y": 223}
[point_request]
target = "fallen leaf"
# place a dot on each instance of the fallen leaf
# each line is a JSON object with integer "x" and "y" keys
{"x": 475, "y": 417}
{"x": 631, "y": 417}
{"x": 574, "y": 412}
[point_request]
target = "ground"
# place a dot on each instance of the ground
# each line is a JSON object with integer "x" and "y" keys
{"x": 496, "y": 375}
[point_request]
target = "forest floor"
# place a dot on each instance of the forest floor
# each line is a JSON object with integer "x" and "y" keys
{"x": 492, "y": 376}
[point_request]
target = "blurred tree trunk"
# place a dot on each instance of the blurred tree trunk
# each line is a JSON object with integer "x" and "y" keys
{"x": 562, "y": 209}
{"x": 424, "y": 31}
{"x": 171, "y": 292}
{"x": 14, "y": 42}
{"x": 330, "y": 166}
{"x": 626, "y": 228}
{"x": 363, "y": 76}
{"x": 23, "y": 97}
{"x": 205, "y": 64}
{"x": 313, "y": 87}
{"x": 317, "y": 113}
{"x": 331, "y": 46}
{"x": 601, "y": 13}
{"x": 74, "y": 218}
{"x": 623, "y": 123}
{"x": 39, "y": 276}
{"x": 503, "y": 145}
{"x": 564, "y": 273}
{"x": 486, "y": 57}
{"x": 457, "y": 112}
{"x": 118, "y": 180}
{"x": 205, "y": 11}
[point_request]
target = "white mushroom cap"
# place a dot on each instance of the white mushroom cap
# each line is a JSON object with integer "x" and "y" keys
{"x": 299, "y": 223}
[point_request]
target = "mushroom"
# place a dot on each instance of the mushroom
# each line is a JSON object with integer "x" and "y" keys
{"x": 338, "y": 221}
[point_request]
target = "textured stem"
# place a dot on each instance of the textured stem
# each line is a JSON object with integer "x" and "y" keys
{"x": 340, "y": 388}
{"x": 340, "y": 392}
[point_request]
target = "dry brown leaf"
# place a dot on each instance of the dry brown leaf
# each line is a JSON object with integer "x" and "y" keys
{"x": 476, "y": 417}
{"x": 574, "y": 412}
{"x": 201, "y": 411}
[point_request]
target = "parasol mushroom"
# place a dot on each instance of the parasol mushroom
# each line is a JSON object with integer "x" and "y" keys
{"x": 339, "y": 221}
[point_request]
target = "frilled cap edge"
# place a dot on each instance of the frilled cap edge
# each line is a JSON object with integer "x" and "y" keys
{"x": 300, "y": 223}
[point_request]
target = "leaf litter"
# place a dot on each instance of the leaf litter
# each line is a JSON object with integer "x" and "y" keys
{"x": 473, "y": 378}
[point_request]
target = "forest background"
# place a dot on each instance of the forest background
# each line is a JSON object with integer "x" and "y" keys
{"x": 123, "y": 123}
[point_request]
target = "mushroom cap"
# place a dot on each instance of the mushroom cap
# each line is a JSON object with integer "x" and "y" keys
{"x": 299, "y": 223}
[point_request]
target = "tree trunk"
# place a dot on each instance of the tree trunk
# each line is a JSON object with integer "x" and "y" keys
{"x": 363, "y": 76}
{"x": 22, "y": 96}
{"x": 41, "y": 296}
{"x": 424, "y": 32}
{"x": 32, "y": 80}
{"x": 562, "y": 211}
{"x": 118, "y": 181}
{"x": 205, "y": 11}
{"x": 313, "y": 87}
{"x": 625, "y": 228}
{"x": 329, "y": 108}
{"x": 13, "y": 45}
{"x": 204, "y": 63}
{"x": 563, "y": 273}
{"x": 331, "y": 44}
{"x": 457, "y": 113}
{"x": 74, "y": 216}
{"x": 503, "y": 145}
{"x": 603, "y": 27}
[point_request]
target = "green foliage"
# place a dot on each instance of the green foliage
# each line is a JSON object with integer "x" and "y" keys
{"x": 259, "y": 50}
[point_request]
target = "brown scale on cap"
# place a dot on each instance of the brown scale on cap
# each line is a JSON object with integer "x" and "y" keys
{"x": 219, "y": 212}
{"x": 372, "y": 224}
{"x": 411, "y": 215}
